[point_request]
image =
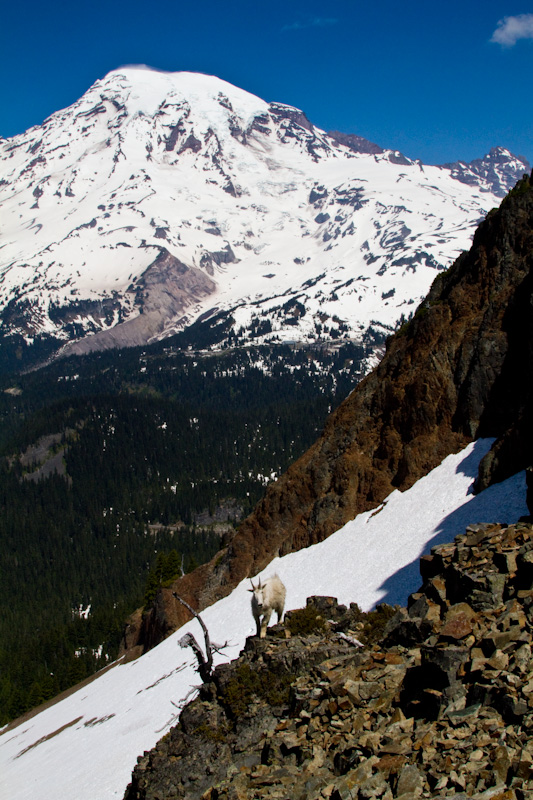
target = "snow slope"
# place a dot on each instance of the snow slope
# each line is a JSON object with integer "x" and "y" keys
{"x": 178, "y": 195}
{"x": 85, "y": 746}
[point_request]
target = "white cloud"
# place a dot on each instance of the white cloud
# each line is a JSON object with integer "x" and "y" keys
{"x": 315, "y": 22}
{"x": 510, "y": 29}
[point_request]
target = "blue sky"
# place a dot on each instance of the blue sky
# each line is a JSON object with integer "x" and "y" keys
{"x": 438, "y": 81}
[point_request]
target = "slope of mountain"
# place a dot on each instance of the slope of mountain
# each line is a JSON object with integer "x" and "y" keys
{"x": 435, "y": 703}
{"x": 457, "y": 371}
{"x": 160, "y": 199}
{"x": 86, "y": 745}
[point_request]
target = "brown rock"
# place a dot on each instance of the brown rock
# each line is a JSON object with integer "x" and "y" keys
{"x": 390, "y": 764}
{"x": 501, "y": 763}
{"x": 458, "y": 622}
{"x": 410, "y": 781}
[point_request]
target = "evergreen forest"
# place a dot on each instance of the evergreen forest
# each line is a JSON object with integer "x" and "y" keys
{"x": 114, "y": 468}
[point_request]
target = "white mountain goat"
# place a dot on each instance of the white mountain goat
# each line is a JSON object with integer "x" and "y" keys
{"x": 267, "y": 597}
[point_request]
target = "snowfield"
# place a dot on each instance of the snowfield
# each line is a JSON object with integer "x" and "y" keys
{"x": 85, "y": 747}
{"x": 252, "y": 205}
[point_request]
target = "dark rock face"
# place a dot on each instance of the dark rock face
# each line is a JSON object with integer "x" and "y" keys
{"x": 356, "y": 143}
{"x": 396, "y": 157}
{"x": 529, "y": 480}
{"x": 191, "y": 143}
{"x": 440, "y": 705}
{"x": 280, "y": 112}
{"x": 226, "y": 256}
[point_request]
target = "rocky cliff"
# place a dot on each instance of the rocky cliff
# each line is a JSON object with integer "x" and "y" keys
{"x": 458, "y": 370}
{"x": 440, "y": 705}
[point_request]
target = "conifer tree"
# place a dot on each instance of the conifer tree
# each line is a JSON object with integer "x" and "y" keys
{"x": 171, "y": 567}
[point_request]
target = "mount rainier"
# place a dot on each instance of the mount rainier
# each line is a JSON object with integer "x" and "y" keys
{"x": 162, "y": 199}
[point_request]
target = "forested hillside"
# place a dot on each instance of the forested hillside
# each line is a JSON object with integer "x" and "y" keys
{"x": 111, "y": 461}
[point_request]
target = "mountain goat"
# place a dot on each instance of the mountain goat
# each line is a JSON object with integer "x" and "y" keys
{"x": 267, "y": 597}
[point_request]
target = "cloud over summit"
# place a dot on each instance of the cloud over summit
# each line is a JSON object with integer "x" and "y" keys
{"x": 510, "y": 29}
{"x": 314, "y": 22}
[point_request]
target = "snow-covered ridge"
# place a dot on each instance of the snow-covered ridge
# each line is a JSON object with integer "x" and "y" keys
{"x": 159, "y": 198}
{"x": 85, "y": 746}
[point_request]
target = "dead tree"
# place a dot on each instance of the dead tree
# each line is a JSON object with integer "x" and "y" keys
{"x": 205, "y": 663}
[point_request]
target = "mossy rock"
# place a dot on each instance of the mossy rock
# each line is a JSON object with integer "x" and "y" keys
{"x": 305, "y": 621}
{"x": 248, "y": 684}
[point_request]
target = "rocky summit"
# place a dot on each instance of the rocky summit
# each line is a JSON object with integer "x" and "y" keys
{"x": 432, "y": 700}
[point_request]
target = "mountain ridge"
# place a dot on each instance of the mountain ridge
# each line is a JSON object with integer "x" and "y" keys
{"x": 290, "y": 233}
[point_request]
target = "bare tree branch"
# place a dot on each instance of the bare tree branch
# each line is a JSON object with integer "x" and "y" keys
{"x": 205, "y": 663}
{"x": 218, "y": 648}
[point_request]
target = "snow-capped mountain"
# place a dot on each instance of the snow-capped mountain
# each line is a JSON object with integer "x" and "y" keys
{"x": 159, "y": 199}
{"x": 86, "y": 745}
{"x": 492, "y": 171}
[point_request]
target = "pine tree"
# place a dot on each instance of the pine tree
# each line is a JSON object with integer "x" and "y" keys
{"x": 151, "y": 589}
{"x": 171, "y": 567}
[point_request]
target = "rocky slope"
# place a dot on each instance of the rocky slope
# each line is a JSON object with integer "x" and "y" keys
{"x": 458, "y": 370}
{"x": 439, "y": 703}
{"x": 159, "y": 199}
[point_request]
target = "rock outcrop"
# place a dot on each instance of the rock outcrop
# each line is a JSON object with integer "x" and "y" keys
{"x": 458, "y": 370}
{"x": 441, "y": 705}
{"x": 356, "y": 143}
